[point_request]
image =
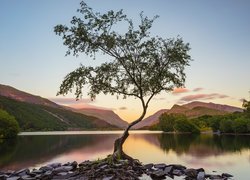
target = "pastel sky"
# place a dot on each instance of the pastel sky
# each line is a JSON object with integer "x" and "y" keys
{"x": 32, "y": 57}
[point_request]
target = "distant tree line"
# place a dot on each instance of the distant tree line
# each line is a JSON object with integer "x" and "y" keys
{"x": 237, "y": 122}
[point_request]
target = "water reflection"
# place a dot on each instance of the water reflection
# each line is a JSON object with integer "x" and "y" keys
{"x": 221, "y": 153}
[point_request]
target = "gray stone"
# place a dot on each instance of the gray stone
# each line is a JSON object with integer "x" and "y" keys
{"x": 168, "y": 169}
{"x": 191, "y": 173}
{"x": 48, "y": 173}
{"x": 13, "y": 178}
{"x": 22, "y": 172}
{"x": 201, "y": 175}
{"x": 37, "y": 171}
{"x": 27, "y": 177}
{"x": 226, "y": 175}
{"x": 178, "y": 166}
{"x": 46, "y": 168}
{"x": 62, "y": 169}
{"x": 158, "y": 173}
{"x": 211, "y": 176}
{"x": 177, "y": 172}
{"x": 160, "y": 166}
{"x": 148, "y": 166}
{"x": 55, "y": 165}
{"x": 84, "y": 163}
{"x": 108, "y": 178}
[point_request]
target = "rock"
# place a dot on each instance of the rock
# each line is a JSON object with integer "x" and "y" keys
{"x": 37, "y": 171}
{"x": 211, "y": 176}
{"x": 201, "y": 175}
{"x": 191, "y": 173}
{"x": 22, "y": 172}
{"x": 13, "y": 178}
{"x": 148, "y": 166}
{"x": 177, "y": 172}
{"x": 85, "y": 163}
{"x": 55, "y": 165}
{"x": 226, "y": 175}
{"x": 168, "y": 169}
{"x": 74, "y": 164}
{"x": 108, "y": 178}
{"x": 103, "y": 166}
{"x": 158, "y": 174}
{"x": 160, "y": 166}
{"x": 46, "y": 168}
{"x": 178, "y": 166}
{"x": 27, "y": 177}
{"x": 48, "y": 173}
{"x": 62, "y": 169}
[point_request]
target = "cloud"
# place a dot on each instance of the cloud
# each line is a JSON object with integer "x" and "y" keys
{"x": 180, "y": 90}
{"x": 159, "y": 99}
{"x": 197, "y": 89}
{"x": 68, "y": 101}
{"x": 196, "y": 97}
{"x": 123, "y": 108}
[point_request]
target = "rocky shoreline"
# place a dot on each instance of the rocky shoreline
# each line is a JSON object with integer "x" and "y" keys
{"x": 107, "y": 169}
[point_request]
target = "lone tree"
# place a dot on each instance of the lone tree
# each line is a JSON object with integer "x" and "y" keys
{"x": 140, "y": 65}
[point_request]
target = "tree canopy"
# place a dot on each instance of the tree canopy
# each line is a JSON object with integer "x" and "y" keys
{"x": 8, "y": 125}
{"x": 142, "y": 65}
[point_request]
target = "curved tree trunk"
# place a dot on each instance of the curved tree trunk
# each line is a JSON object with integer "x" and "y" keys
{"x": 118, "y": 145}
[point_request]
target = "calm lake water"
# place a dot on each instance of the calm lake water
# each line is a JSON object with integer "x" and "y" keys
{"x": 229, "y": 154}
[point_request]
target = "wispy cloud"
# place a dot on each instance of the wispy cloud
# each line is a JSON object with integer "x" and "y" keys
{"x": 180, "y": 90}
{"x": 159, "y": 99}
{"x": 68, "y": 101}
{"x": 123, "y": 108}
{"x": 196, "y": 97}
{"x": 197, "y": 89}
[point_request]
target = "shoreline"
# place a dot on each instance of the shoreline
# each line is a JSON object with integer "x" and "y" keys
{"x": 109, "y": 169}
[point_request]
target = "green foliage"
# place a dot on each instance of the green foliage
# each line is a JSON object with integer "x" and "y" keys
{"x": 140, "y": 65}
{"x": 246, "y": 106}
{"x": 177, "y": 123}
{"x": 8, "y": 125}
{"x": 166, "y": 122}
{"x": 183, "y": 125}
{"x": 32, "y": 117}
{"x": 226, "y": 125}
{"x": 240, "y": 125}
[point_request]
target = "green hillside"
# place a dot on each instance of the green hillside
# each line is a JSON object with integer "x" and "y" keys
{"x": 33, "y": 117}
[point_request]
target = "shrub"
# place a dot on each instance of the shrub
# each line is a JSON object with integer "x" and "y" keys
{"x": 240, "y": 125}
{"x": 226, "y": 125}
{"x": 8, "y": 125}
{"x": 166, "y": 122}
{"x": 183, "y": 125}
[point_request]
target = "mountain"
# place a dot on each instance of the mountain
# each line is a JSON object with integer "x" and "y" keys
{"x": 35, "y": 113}
{"x": 106, "y": 115}
{"x": 151, "y": 120}
{"x": 35, "y": 117}
{"x": 210, "y": 105}
{"x": 10, "y": 92}
{"x": 191, "y": 110}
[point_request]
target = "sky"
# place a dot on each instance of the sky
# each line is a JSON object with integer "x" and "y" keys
{"x": 32, "y": 57}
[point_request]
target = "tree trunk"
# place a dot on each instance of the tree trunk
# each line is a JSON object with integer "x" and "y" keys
{"x": 118, "y": 145}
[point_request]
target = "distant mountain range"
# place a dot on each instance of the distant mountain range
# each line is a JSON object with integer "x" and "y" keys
{"x": 106, "y": 115}
{"x": 191, "y": 110}
{"x": 10, "y": 92}
{"x": 37, "y": 113}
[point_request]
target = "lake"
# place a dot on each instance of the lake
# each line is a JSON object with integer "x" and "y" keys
{"x": 223, "y": 153}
